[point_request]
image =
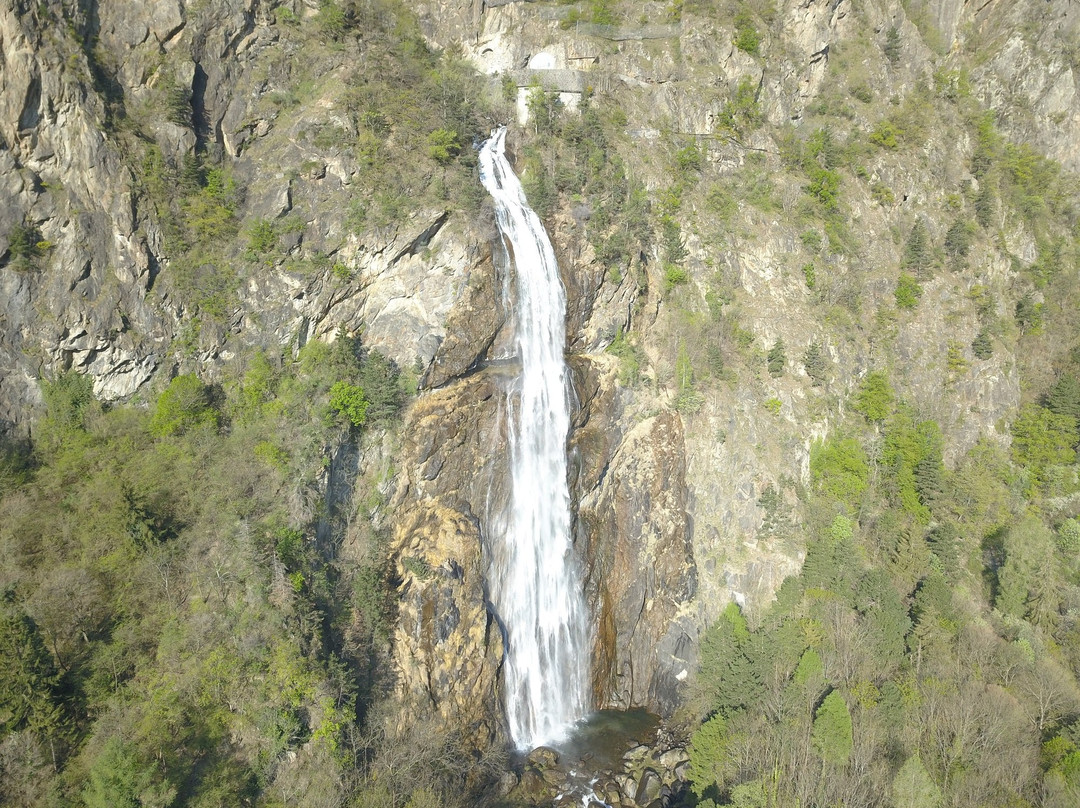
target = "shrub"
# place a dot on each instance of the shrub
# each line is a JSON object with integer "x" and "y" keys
{"x": 747, "y": 38}
{"x": 824, "y": 186}
{"x": 674, "y": 276}
{"x": 839, "y": 469}
{"x": 742, "y": 113}
{"x": 908, "y": 291}
{"x": 349, "y": 400}
{"x": 886, "y": 134}
{"x": 811, "y": 239}
{"x": 262, "y": 239}
{"x": 24, "y": 246}
{"x": 443, "y": 145}
{"x": 689, "y": 159}
{"x": 882, "y": 194}
{"x": 629, "y": 359}
{"x": 185, "y": 405}
{"x": 809, "y": 275}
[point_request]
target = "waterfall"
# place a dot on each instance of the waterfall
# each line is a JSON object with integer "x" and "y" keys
{"x": 534, "y": 579}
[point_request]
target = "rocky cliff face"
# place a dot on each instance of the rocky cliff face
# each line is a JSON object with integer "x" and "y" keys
{"x": 679, "y": 508}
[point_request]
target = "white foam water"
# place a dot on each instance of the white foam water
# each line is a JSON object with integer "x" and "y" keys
{"x": 534, "y": 579}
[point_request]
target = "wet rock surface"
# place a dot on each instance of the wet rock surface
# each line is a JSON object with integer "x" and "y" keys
{"x": 634, "y": 763}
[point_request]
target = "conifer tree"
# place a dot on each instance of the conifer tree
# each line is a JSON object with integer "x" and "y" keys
{"x": 918, "y": 254}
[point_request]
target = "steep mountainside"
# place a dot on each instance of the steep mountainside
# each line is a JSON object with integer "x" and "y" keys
{"x": 821, "y": 262}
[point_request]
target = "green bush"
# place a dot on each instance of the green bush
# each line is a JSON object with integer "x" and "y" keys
{"x": 875, "y": 397}
{"x": 262, "y": 240}
{"x": 185, "y": 405}
{"x": 824, "y": 186}
{"x": 443, "y": 145}
{"x": 885, "y": 134}
{"x": 747, "y": 38}
{"x": 630, "y": 359}
{"x": 689, "y": 160}
{"x": 24, "y": 247}
{"x": 350, "y": 401}
{"x": 674, "y": 276}
{"x": 908, "y": 291}
{"x": 840, "y": 469}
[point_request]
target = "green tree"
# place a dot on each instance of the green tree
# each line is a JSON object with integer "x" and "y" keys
{"x": 815, "y": 365}
{"x": 118, "y": 780}
{"x": 985, "y": 203}
{"x": 839, "y": 468}
{"x": 918, "y": 255}
{"x": 958, "y": 238}
{"x": 24, "y": 247}
{"x": 891, "y": 48}
{"x": 185, "y": 405}
{"x": 832, "y": 733}
{"x": 1029, "y": 315}
{"x": 777, "y": 358}
{"x": 1063, "y": 398}
{"x": 687, "y": 398}
{"x": 350, "y": 401}
{"x": 1042, "y": 438}
{"x": 982, "y": 346}
{"x": 1026, "y": 581}
{"x": 29, "y": 682}
{"x": 913, "y": 787}
{"x": 810, "y": 673}
{"x": 908, "y": 291}
{"x": 875, "y": 397}
{"x": 443, "y": 145}
{"x": 708, "y": 756}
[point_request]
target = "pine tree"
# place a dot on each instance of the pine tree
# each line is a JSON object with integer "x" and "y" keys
{"x": 777, "y": 358}
{"x": 918, "y": 254}
{"x": 814, "y": 363}
{"x": 982, "y": 346}
{"x": 1063, "y": 397}
{"x": 984, "y": 204}
{"x": 892, "y": 46}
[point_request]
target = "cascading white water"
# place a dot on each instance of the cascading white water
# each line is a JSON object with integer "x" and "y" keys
{"x": 533, "y": 578}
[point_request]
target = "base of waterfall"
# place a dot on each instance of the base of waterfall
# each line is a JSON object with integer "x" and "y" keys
{"x": 610, "y": 759}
